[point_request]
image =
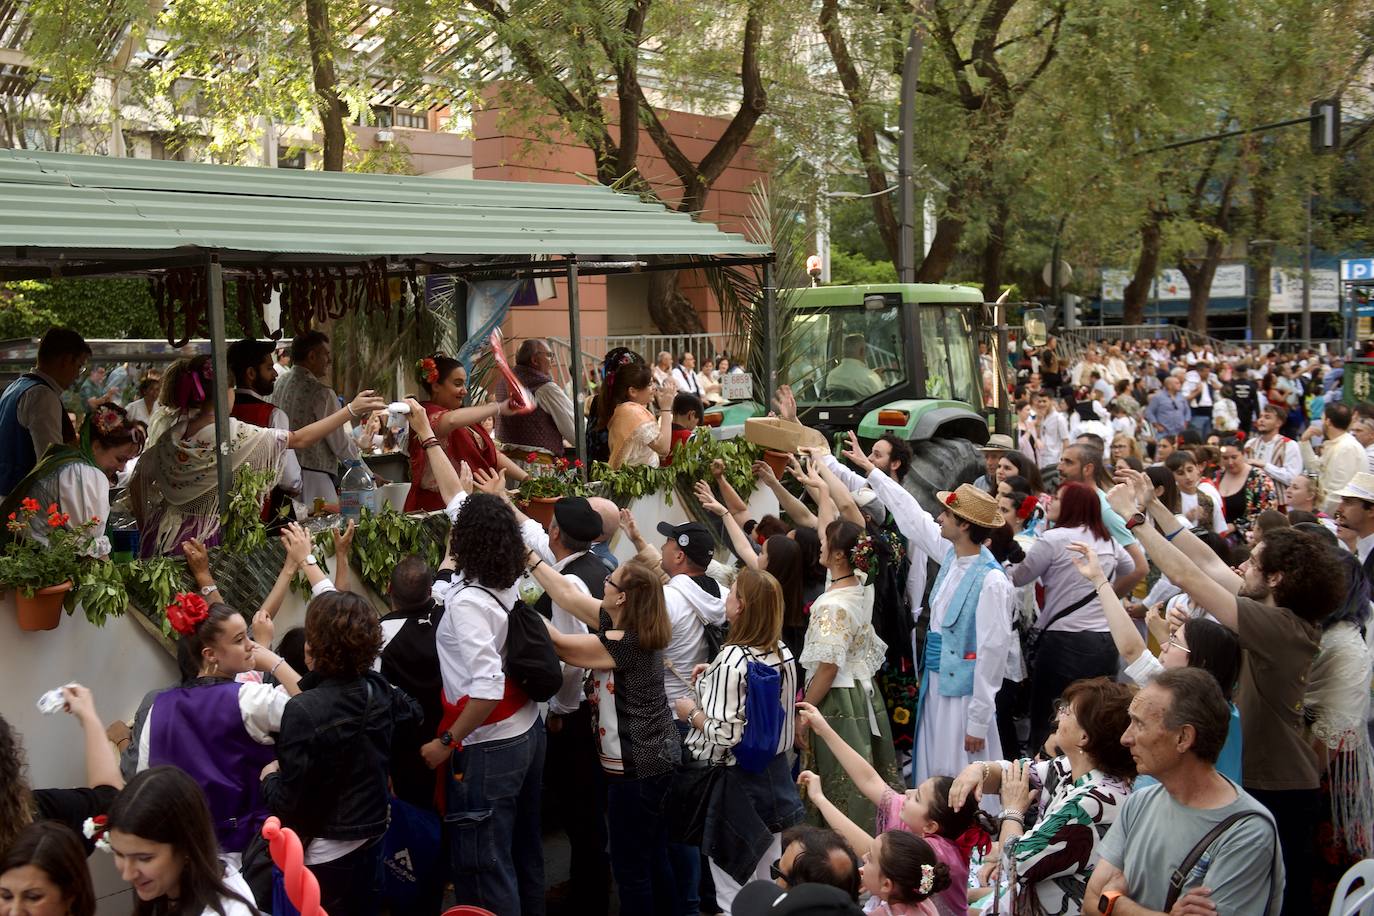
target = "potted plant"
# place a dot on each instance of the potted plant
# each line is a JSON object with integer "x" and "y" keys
{"x": 41, "y": 574}
{"x": 546, "y": 485}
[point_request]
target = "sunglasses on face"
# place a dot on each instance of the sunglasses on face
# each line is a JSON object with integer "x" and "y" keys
{"x": 775, "y": 870}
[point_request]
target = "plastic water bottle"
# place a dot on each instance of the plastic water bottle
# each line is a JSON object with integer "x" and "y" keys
{"x": 356, "y": 491}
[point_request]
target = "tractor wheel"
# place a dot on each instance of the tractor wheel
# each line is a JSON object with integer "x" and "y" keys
{"x": 941, "y": 464}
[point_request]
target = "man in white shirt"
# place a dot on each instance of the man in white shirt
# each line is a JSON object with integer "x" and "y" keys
{"x": 305, "y": 397}
{"x": 1275, "y": 454}
{"x": 255, "y": 376}
{"x": 1342, "y": 454}
{"x": 1201, "y": 389}
{"x": 1053, "y": 429}
{"x": 1362, "y": 428}
{"x": 685, "y": 375}
{"x": 693, "y": 600}
{"x": 663, "y": 368}
{"x": 545, "y": 429}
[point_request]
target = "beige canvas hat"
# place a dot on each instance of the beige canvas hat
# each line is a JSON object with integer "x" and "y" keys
{"x": 972, "y": 505}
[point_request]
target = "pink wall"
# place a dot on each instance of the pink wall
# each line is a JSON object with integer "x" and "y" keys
{"x": 507, "y": 148}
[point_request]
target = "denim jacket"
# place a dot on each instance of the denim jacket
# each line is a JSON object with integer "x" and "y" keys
{"x": 333, "y": 750}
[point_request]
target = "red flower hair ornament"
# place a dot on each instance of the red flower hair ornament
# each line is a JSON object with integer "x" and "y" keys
{"x": 186, "y": 612}
{"x": 951, "y": 499}
{"x": 1028, "y": 506}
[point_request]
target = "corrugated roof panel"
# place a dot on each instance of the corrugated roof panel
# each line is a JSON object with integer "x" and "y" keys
{"x": 87, "y": 203}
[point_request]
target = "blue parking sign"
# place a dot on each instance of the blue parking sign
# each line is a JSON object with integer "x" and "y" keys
{"x": 1357, "y": 269}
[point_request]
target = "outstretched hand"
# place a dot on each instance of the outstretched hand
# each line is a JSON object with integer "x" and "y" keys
{"x": 708, "y": 500}
{"x": 855, "y": 453}
{"x": 491, "y": 482}
{"x": 1085, "y": 560}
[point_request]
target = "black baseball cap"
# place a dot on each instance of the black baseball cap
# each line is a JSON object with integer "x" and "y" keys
{"x": 576, "y": 516}
{"x": 694, "y": 539}
{"x": 764, "y": 898}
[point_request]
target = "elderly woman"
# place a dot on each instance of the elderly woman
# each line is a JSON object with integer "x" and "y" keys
{"x": 1084, "y": 787}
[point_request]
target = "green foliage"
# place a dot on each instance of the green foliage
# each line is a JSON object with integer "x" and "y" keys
{"x": 691, "y": 462}
{"x": 20, "y": 316}
{"x": 28, "y": 564}
{"x": 384, "y": 538}
{"x": 242, "y": 524}
{"x": 847, "y": 269}
{"x": 153, "y": 583}
{"x": 101, "y": 590}
{"x": 562, "y": 478}
{"x": 112, "y": 308}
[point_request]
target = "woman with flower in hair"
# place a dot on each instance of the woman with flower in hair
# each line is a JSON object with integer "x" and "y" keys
{"x": 174, "y": 490}
{"x": 459, "y": 430}
{"x": 220, "y": 724}
{"x": 72, "y": 482}
{"x": 842, "y": 652}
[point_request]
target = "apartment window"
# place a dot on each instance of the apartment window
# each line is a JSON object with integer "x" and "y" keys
{"x": 290, "y": 159}
{"x": 413, "y": 119}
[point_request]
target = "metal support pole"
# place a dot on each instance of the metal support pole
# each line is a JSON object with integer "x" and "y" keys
{"x": 1003, "y": 422}
{"x": 906, "y": 153}
{"x": 1307, "y": 274}
{"x": 575, "y": 338}
{"x": 770, "y": 337}
{"x": 214, "y": 284}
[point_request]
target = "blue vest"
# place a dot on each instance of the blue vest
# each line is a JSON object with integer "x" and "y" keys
{"x": 958, "y": 643}
{"x": 17, "y": 457}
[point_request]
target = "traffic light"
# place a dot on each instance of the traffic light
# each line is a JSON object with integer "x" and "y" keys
{"x": 1326, "y": 126}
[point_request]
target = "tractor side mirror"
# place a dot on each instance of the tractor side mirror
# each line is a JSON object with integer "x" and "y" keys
{"x": 1033, "y": 324}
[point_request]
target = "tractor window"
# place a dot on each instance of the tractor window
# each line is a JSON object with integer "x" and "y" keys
{"x": 967, "y": 383}
{"x": 843, "y": 355}
{"x": 937, "y": 359}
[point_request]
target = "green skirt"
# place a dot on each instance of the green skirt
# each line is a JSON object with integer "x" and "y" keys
{"x": 847, "y": 711}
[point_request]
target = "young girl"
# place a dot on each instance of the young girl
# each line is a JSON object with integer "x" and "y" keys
{"x": 164, "y": 846}
{"x": 924, "y": 810}
{"x": 901, "y": 873}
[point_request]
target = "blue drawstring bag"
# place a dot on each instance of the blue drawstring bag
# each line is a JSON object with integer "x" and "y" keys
{"x": 410, "y": 855}
{"x": 764, "y": 718}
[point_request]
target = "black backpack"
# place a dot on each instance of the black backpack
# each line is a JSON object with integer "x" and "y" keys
{"x": 531, "y": 661}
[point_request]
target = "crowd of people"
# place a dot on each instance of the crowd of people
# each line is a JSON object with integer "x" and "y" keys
{"x": 1126, "y": 670}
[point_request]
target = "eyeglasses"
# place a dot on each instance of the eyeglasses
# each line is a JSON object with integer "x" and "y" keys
{"x": 1184, "y": 649}
{"x": 1061, "y": 707}
{"x": 611, "y": 582}
{"x": 775, "y": 870}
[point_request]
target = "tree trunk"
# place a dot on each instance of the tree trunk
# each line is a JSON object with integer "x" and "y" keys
{"x": 943, "y": 248}
{"x": 993, "y": 251}
{"x": 671, "y": 312}
{"x": 327, "y": 101}
{"x": 1262, "y": 267}
{"x": 1137, "y": 292}
{"x": 1200, "y": 274}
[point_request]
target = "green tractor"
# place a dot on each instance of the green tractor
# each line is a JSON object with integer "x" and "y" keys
{"x": 891, "y": 358}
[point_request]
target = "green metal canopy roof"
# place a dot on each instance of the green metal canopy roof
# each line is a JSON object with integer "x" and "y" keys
{"x": 87, "y": 211}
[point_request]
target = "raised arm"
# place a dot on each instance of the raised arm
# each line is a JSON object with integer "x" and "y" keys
{"x": 359, "y": 407}
{"x": 1183, "y": 572}
{"x": 795, "y": 509}
{"x": 739, "y": 509}
{"x": 1182, "y": 537}
{"x": 581, "y": 650}
{"x": 1127, "y": 638}
{"x": 743, "y": 547}
{"x": 102, "y": 766}
{"x": 582, "y": 606}
{"x": 860, "y": 771}
{"x": 858, "y": 839}
{"x": 445, "y": 475}
{"x": 845, "y": 506}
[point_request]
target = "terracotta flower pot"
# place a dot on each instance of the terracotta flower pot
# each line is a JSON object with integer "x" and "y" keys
{"x": 43, "y": 610}
{"x": 540, "y": 508}
{"x": 777, "y": 461}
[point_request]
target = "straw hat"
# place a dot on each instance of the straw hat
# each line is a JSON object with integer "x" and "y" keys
{"x": 972, "y": 505}
{"x": 1361, "y": 487}
{"x": 998, "y": 442}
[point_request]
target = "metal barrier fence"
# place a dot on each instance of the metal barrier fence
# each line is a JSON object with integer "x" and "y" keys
{"x": 705, "y": 347}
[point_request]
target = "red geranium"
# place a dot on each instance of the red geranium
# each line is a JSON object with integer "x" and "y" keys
{"x": 29, "y": 504}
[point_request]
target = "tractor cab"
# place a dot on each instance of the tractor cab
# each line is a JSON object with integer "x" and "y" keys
{"x": 899, "y": 358}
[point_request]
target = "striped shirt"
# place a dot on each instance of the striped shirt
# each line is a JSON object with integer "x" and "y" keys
{"x": 723, "y": 689}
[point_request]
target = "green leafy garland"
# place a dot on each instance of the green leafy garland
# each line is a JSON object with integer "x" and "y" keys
{"x": 691, "y": 462}
{"x": 242, "y": 525}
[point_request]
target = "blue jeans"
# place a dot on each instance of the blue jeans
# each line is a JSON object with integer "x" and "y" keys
{"x": 639, "y": 844}
{"x": 491, "y": 820}
{"x": 351, "y": 885}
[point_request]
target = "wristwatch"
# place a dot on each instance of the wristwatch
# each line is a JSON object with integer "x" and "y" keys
{"x": 1135, "y": 521}
{"x": 447, "y": 740}
{"x": 1107, "y": 902}
{"x": 310, "y": 560}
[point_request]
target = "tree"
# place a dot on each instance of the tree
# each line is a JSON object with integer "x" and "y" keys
{"x": 562, "y": 58}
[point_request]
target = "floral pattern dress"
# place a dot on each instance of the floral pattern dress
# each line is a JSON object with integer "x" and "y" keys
{"x": 1049, "y": 865}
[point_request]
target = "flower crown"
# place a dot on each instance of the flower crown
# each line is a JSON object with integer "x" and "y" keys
{"x": 106, "y": 421}
{"x": 186, "y": 612}
{"x": 427, "y": 370}
{"x": 861, "y": 555}
{"x": 97, "y": 830}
